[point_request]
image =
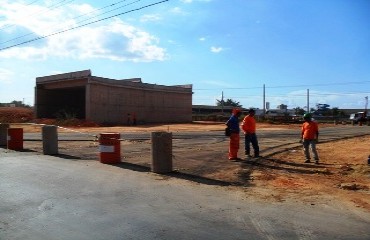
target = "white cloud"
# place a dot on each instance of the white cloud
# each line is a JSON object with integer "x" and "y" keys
{"x": 5, "y": 75}
{"x": 202, "y": 39}
{"x": 216, "y": 49}
{"x": 114, "y": 39}
{"x": 150, "y": 18}
{"x": 178, "y": 11}
{"x": 83, "y": 8}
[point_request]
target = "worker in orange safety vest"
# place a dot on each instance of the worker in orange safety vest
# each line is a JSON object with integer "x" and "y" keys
{"x": 309, "y": 137}
{"x": 249, "y": 129}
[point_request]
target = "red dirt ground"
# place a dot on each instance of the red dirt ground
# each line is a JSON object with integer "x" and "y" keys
{"x": 342, "y": 174}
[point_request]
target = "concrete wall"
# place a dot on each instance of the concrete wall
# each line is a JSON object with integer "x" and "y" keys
{"x": 149, "y": 103}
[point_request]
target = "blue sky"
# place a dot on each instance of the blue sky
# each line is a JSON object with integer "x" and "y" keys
{"x": 229, "y": 46}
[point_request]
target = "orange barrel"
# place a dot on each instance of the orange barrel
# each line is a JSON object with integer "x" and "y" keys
{"x": 15, "y": 138}
{"x": 110, "y": 148}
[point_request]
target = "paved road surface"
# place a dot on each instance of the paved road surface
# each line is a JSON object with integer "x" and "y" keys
{"x": 45, "y": 197}
{"x": 271, "y": 141}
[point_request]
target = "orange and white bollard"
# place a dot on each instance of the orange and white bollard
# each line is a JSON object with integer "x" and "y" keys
{"x": 110, "y": 148}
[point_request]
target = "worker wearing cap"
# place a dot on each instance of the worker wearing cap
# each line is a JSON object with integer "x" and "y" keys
{"x": 309, "y": 137}
{"x": 249, "y": 129}
{"x": 233, "y": 124}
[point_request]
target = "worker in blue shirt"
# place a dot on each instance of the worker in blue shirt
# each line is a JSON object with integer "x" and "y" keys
{"x": 233, "y": 125}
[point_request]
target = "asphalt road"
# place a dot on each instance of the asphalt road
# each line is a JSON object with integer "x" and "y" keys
{"x": 270, "y": 140}
{"x": 327, "y": 133}
{"x": 46, "y": 197}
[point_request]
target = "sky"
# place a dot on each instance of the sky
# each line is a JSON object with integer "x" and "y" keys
{"x": 307, "y": 51}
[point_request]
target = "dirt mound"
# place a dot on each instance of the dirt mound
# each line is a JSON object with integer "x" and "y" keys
{"x": 15, "y": 114}
{"x": 72, "y": 122}
{"x": 25, "y": 115}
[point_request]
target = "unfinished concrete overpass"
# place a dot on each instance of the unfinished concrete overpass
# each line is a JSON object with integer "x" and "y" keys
{"x": 103, "y": 100}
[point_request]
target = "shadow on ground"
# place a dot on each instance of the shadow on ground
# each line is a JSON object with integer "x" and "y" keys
{"x": 177, "y": 174}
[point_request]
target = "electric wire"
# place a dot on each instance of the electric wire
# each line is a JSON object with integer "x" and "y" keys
{"x": 101, "y": 14}
{"x": 54, "y": 6}
{"x": 287, "y": 86}
{"x": 89, "y": 23}
{"x": 89, "y": 13}
{"x": 290, "y": 96}
{"x": 28, "y": 4}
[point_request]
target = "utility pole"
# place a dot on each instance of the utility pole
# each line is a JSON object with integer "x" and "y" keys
{"x": 366, "y": 103}
{"x": 308, "y": 100}
{"x": 264, "y": 100}
{"x": 222, "y": 102}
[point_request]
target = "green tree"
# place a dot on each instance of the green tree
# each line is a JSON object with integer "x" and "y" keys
{"x": 19, "y": 104}
{"x": 337, "y": 112}
{"x": 228, "y": 102}
{"x": 299, "y": 111}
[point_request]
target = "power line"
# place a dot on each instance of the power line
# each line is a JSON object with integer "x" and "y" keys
{"x": 225, "y": 88}
{"x": 286, "y": 96}
{"x": 287, "y": 86}
{"x": 291, "y": 95}
{"x": 128, "y": 4}
{"x": 25, "y": 35}
{"x": 73, "y": 28}
{"x": 54, "y": 6}
{"x": 320, "y": 84}
{"x": 303, "y": 95}
{"x": 28, "y": 4}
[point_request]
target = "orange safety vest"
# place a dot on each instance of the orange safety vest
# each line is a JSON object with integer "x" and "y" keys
{"x": 310, "y": 130}
{"x": 249, "y": 124}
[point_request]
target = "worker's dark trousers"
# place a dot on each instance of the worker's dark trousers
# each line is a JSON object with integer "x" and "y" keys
{"x": 251, "y": 138}
{"x": 306, "y": 146}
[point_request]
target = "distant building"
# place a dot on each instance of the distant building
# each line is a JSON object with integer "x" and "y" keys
{"x": 279, "y": 112}
{"x": 207, "y": 109}
{"x": 282, "y": 107}
{"x": 103, "y": 100}
{"x": 225, "y": 110}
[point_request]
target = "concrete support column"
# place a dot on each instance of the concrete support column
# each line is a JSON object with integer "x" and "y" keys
{"x": 50, "y": 140}
{"x": 4, "y": 134}
{"x": 161, "y": 152}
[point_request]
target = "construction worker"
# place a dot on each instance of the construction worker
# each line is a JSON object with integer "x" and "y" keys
{"x": 309, "y": 137}
{"x": 128, "y": 119}
{"x": 134, "y": 119}
{"x": 249, "y": 129}
{"x": 233, "y": 125}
